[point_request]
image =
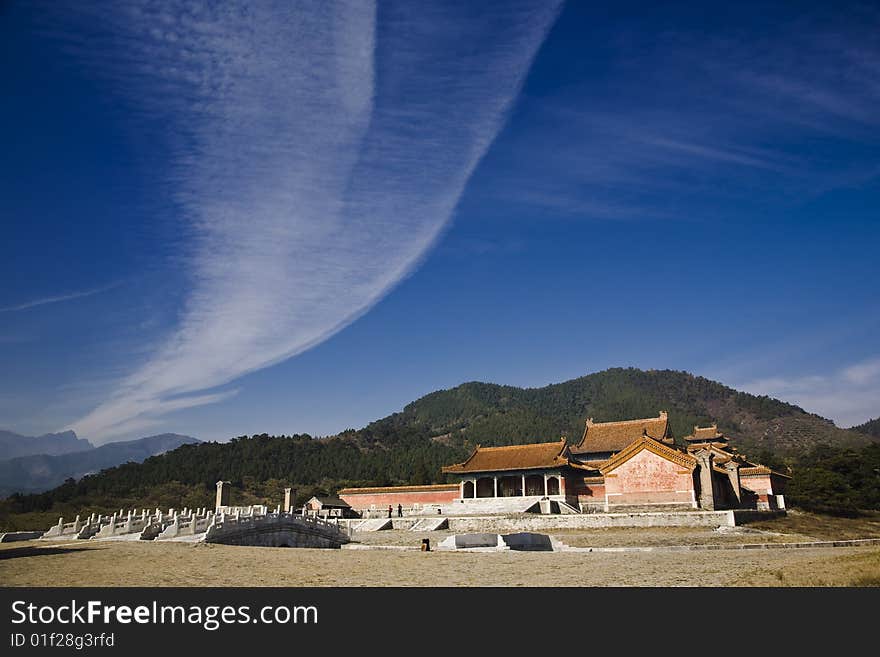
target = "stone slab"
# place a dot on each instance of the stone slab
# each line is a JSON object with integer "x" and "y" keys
{"x": 10, "y": 537}
{"x": 430, "y": 525}
{"x": 374, "y": 525}
{"x": 528, "y": 541}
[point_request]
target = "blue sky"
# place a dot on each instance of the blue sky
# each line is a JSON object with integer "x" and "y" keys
{"x": 298, "y": 217}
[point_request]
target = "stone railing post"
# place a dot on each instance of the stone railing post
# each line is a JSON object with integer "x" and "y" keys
{"x": 222, "y": 497}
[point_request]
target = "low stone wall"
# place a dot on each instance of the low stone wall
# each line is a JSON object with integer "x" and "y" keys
{"x": 529, "y": 522}
{"x": 744, "y": 516}
{"x": 801, "y": 545}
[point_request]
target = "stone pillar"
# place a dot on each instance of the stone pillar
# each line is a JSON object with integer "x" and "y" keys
{"x": 732, "y": 468}
{"x": 707, "y": 485}
{"x": 222, "y": 498}
{"x": 289, "y": 495}
{"x": 495, "y": 480}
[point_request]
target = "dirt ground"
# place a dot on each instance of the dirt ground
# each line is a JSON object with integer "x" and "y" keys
{"x": 140, "y": 563}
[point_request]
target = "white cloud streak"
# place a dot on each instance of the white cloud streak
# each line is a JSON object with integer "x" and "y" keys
{"x": 323, "y": 148}
{"x": 849, "y": 396}
{"x": 58, "y": 298}
{"x": 690, "y": 116}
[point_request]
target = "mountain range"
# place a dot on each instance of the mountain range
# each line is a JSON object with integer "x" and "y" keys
{"x": 14, "y": 444}
{"x": 67, "y": 456}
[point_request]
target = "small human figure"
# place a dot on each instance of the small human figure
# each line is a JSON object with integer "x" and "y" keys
{"x": 399, "y": 511}
{"x": 389, "y": 510}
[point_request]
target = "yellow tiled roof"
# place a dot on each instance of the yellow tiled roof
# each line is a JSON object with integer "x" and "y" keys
{"x": 513, "y": 457}
{"x": 756, "y": 469}
{"x": 707, "y": 434}
{"x": 615, "y": 436}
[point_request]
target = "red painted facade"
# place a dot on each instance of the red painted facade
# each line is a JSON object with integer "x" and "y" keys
{"x": 762, "y": 485}
{"x": 380, "y": 498}
{"x": 647, "y": 478}
{"x": 588, "y": 490}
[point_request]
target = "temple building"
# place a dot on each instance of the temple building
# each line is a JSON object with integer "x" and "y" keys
{"x": 629, "y": 465}
{"x": 523, "y": 475}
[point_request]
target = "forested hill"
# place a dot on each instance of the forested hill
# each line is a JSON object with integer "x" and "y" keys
{"x": 439, "y": 429}
{"x": 491, "y": 414}
{"x": 870, "y": 428}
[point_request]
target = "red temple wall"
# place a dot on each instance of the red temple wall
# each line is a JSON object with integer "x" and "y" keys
{"x": 382, "y": 498}
{"x": 647, "y": 478}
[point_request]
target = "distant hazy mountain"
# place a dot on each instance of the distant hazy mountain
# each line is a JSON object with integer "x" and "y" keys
{"x": 14, "y": 444}
{"x": 39, "y": 472}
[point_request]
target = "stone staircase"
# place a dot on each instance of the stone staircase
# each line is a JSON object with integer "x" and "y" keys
{"x": 430, "y": 524}
{"x": 567, "y": 509}
{"x": 373, "y": 525}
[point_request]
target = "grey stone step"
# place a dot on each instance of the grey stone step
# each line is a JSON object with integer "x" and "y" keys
{"x": 430, "y": 525}
{"x": 374, "y": 525}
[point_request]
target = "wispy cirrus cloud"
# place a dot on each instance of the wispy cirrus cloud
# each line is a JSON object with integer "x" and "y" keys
{"x": 319, "y": 149}
{"x": 43, "y": 301}
{"x": 849, "y": 396}
{"x": 690, "y": 115}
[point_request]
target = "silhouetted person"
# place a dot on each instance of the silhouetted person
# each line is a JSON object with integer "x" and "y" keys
{"x": 399, "y": 511}
{"x": 389, "y": 510}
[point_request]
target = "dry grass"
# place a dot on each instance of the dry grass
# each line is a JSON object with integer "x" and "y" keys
{"x": 137, "y": 563}
{"x": 833, "y": 567}
{"x": 822, "y": 527}
{"x": 180, "y": 564}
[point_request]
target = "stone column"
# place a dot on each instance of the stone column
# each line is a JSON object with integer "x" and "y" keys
{"x": 546, "y": 494}
{"x": 495, "y": 480}
{"x": 289, "y": 495}
{"x": 524, "y": 485}
{"x": 222, "y": 498}
{"x": 732, "y": 468}
{"x": 707, "y": 485}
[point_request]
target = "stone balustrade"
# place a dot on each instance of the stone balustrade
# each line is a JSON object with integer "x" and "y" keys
{"x": 277, "y": 529}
